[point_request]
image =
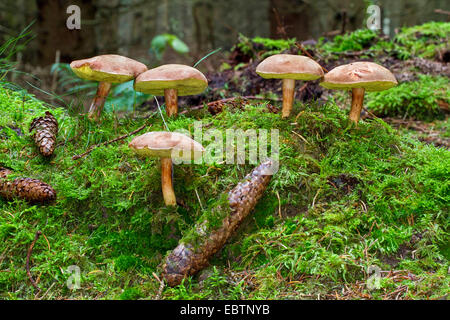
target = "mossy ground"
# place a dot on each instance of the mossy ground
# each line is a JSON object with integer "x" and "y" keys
{"x": 344, "y": 199}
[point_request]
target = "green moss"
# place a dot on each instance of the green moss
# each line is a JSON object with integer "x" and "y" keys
{"x": 263, "y": 46}
{"x": 424, "y": 40}
{"x": 418, "y": 41}
{"x": 132, "y": 293}
{"x": 354, "y": 41}
{"x": 417, "y": 99}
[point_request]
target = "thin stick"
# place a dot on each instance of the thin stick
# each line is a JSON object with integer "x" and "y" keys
{"x": 30, "y": 250}
{"x": 89, "y": 150}
{"x": 161, "y": 287}
{"x": 298, "y": 45}
{"x": 48, "y": 243}
{"x": 198, "y": 197}
{"x": 281, "y": 29}
{"x": 300, "y": 136}
{"x": 53, "y": 284}
{"x": 442, "y": 11}
{"x": 370, "y": 113}
{"x": 279, "y": 205}
{"x": 314, "y": 200}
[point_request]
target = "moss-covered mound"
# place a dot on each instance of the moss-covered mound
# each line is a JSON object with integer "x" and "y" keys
{"x": 343, "y": 200}
{"x": 415, "y": 55}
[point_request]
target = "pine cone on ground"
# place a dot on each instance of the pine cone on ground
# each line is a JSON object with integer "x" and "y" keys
{"x": 187, "y": 259}
{"x": 45, "y": 135}
{"x": 31, "y": 190}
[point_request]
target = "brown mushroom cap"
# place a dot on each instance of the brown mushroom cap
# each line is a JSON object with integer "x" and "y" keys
{"x": 185, "y": 79}
{"x": 108, "y": 68}
{"x": 289, "y": 66}
{"x": 163, "y": 144}
{"x": 367, "y": 75}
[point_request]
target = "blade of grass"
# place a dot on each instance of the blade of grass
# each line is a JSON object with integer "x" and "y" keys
{"x": 209, "y": 54}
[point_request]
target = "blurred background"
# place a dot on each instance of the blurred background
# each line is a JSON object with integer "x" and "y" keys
{"x": 184, "y": 31}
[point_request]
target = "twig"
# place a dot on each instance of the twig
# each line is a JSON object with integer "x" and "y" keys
{"x": 301, "y": 137}
{"x": 370, "y": 113}
{"x": 198, "y": 197}
{"x": 89, "y": 150}
{"x": 161, "y": 286}
{"x": 299, "y": 45}
{"x": 281, "y": 29}
{"x": 101, "y": 294}
{"x": 279, "y": 205}
{"x": 48, "y": 243}
{"x": 442, "y": 11}
{"x": 53, "y": 284}
{"x": 314, "y": 200}
{"x": 303, "y": 87}
{"x": 30, "y": 250}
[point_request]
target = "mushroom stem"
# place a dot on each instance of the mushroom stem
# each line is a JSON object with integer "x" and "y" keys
{"x": 171, "y": 97}
{"x": 288, "y": 97}
{"x": 98, "y": 103}
{"x": 357, "y": 103}
{"x": 166, "y": 182}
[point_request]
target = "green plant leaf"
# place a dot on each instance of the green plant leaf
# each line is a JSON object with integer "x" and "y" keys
{"x": 179, "y": 46}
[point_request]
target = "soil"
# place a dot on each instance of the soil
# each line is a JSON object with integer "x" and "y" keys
{"x": 344, "y": 183}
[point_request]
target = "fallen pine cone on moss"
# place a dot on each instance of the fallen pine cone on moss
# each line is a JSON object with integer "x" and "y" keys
{"x": 193, "y": 253}
{"x": 29, "y": 189}
{"x": 45, "y": 135}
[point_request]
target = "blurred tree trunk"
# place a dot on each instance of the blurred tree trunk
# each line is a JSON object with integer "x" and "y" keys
{"x": 290, "y": 19}
{"x": 53, "y": 34}
{"x": 203, "y": 13}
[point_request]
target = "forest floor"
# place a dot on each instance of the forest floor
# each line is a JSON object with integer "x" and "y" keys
{"x": 352, "y": 213}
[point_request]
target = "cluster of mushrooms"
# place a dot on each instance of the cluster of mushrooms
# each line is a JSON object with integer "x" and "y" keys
{"x": 170, "y": 81}
{"x": 356, "y": 76}
{"x": 173, "y": 80}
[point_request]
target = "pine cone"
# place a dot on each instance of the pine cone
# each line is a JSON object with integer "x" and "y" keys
{"x": 45, "y": 135}
{"x": 31, "y": 190}
{"x": 187, "y": 258}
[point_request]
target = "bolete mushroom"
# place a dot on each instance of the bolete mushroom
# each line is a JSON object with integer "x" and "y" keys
{"x": 171, "y": 81}
{"x": 167, "y": 146}
{"x": 106, "y": 69}
{"x": 359, "y": 77}
{"x": 289, "y": 67}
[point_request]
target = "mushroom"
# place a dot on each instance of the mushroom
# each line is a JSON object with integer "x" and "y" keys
{"x": 171, "y": 81}
{"x": 289, "y": 67}
{"x": 106, "y": 69}
{"x": 359, "y": 77}
{"x": 167, "y": 146}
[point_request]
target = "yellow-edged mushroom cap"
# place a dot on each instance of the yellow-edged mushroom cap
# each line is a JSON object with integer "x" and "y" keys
{"x": 108, "y": 68}
{"x": 367, "y": 75}
{"x": 289, "y": 66}
{"x": 163, "y": 144}
{"x": 185, "y": 79}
